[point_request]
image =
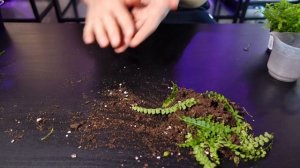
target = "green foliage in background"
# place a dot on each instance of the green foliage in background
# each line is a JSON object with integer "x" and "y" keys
{"x": 283, "y": 16}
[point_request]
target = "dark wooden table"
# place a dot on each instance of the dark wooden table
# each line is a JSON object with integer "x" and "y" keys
{"x": 41, "y": 60}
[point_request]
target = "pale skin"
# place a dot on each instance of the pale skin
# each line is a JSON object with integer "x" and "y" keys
{"x": 123, "y": 23}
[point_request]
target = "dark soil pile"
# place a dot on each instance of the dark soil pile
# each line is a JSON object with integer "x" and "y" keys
{"x": 112, "y": 123}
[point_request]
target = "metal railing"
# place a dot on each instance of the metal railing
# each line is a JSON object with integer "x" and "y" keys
{"x": 37, "y": 16}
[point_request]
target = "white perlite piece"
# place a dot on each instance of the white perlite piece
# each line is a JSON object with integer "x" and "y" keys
{"x": 169, "y": 127}
{"x": 73, "y": 155}
{"x": 38, "y": 119}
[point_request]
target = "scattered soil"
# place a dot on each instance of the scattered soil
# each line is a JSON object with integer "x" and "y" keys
{"x": 110, "y": 114}
{"x": 15, "y": 135}
{"x": 44, "y": 120}
{"x": 110, "y": 122}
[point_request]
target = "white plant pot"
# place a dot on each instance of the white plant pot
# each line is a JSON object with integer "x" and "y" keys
{"x": 284, "y": 61}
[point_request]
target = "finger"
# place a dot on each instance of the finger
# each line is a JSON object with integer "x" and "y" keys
{"x": 121, "y": 48}
{"x": 100, "y": 33}
{"x": 125, "y": 21}
{"x": 139, "y": 18}
{"x": 112, "y": 30}
{"x": 148, "y": 27}
{"x": 88, "y": 34}
{"x": 139, "y": 24}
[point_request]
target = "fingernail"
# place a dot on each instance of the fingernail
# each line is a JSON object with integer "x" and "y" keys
{"x": 120, "y": 50}
{"x": 103, "y": 43}
{"x": 114, "y": 42}
{"x": 87, "y": 38}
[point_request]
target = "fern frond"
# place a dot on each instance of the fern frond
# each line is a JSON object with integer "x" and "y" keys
{"x": 202, "y": 158}
{"x": 208, "y": 125}
{"x": 213, "y": 136}
{"x": 228, "y": 107}
{"x": 164, "y": 111}
{"x": 170, "y": 99}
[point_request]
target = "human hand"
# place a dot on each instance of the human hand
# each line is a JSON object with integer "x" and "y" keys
{"x": 109, "y": 22}
{"x": 147, "y": 17}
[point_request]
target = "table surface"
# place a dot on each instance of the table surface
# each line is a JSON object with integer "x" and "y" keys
{"x": 40, "y": 59}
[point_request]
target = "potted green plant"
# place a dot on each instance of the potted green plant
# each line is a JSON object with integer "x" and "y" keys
{"x": 284, "y": 22}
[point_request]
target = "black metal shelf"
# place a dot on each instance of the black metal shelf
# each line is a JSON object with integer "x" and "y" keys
{"x": 38, "y": 11}
{"x": 68, "y": 8}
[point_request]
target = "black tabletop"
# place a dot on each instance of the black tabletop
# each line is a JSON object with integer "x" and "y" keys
{"x": 47, "y": 65}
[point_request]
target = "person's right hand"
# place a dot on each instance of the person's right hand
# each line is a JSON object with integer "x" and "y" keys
{"x": 109, "y": 22}
{"x": 148, "y": 15}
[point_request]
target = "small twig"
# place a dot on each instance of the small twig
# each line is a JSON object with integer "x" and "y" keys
{"x": 245, "y": 111}
{"x": 2, "y": 52}
{"x": 45, "y": 137}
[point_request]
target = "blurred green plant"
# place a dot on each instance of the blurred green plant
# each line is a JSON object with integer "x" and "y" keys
{"x": 283, "y": 16}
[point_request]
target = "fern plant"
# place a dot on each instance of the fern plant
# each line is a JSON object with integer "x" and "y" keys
{"x": 208, "y": 137}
